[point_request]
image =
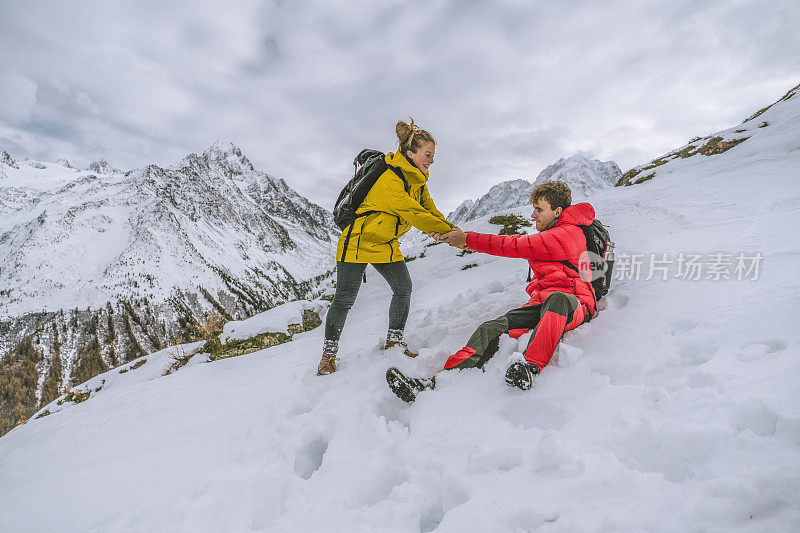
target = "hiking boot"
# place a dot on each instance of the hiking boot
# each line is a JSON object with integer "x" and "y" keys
{"x": 327, "y": 364}
{"x": 407, "y": 388}
{"x": 520, "y": 374}
{"x": 406, "y": 351}
{"x": 394, "y": 337}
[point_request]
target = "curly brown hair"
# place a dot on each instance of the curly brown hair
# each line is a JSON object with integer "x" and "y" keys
{"x": 555, "y": 193}
{"x": 411, "y": 136}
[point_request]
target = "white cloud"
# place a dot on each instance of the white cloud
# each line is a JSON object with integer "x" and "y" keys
{"x": 17, "y": 97}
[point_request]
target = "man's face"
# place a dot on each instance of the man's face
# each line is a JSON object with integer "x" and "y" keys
{"x": 544, "y": 214}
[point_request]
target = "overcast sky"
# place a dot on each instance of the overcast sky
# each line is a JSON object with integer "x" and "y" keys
{"x": 505, "y": 87}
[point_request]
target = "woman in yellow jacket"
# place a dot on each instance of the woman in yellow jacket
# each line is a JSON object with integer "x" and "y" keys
{"x": 373, "y": 239}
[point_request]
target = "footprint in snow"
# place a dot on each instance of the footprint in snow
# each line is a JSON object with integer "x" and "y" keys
{"x": 309, "y": 459}
{"x": 680, "y": 327}
{"x": 755, "y": 350}
{"x": 566, "y": 355}
{"x": 696, "y": 352}
{"x": 755, "y": 416}
{"x": 613, "y": 300}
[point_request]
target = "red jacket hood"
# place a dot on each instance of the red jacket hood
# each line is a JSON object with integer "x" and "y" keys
{"x": 576, "y": 215}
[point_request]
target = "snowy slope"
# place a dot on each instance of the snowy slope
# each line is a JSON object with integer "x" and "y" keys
{"x": 584, "y": 176}
{"x": 675, "y": 409}
{"x": 768, "y": 125}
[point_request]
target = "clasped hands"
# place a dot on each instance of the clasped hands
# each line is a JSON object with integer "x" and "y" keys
{"x": 456, "y": 238}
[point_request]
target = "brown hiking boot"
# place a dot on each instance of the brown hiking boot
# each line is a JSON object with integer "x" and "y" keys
{"x": 390, "y": 344}
{"x": 327, "y": 364}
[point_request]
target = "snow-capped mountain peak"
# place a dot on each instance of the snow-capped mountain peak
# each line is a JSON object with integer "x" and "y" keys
{"x": 585, "y": 176}
{"x": 101, "y": 166}
{"x": 224, "y": 157}
{"x": 501, "y": 196}
{"x": 223, "y": 149}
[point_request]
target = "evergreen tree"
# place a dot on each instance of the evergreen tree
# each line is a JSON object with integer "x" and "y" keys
{"x": 112, "y": 333}
{"x": 134, "y": 349}
{"x": 112, "y": 356}
{"x": 89, "y": 363}
{"x": 18, "y": 381}
{"x": 51, "y": 388}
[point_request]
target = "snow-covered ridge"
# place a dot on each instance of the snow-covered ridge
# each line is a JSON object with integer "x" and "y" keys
{"x": 501, "y": 196}
{"x": 762, "y": 123}
{"x": 585, "y": 176}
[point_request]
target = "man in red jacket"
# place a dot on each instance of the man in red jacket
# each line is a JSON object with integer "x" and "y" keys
{"x": 560, "y": 297}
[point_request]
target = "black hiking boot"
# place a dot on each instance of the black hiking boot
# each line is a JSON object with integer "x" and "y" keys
{"x": 520, "y": 374}
{"x": 407, "y": 388}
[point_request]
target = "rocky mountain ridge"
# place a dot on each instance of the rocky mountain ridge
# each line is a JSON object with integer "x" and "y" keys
{"x": 100, "y": 266}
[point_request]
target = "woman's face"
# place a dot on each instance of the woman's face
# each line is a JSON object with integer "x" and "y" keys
{"x": 423, "y": 158}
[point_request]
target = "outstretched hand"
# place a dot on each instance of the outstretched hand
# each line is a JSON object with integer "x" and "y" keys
{"x": 456, "y": 238}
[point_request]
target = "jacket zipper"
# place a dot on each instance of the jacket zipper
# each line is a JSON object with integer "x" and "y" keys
{"x": 358, "y": 242}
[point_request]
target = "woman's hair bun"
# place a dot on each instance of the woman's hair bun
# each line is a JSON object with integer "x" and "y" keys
{"x": 411, "y": 136}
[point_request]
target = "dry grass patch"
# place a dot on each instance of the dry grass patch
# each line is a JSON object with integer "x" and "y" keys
{"x": 511, "y": 224}
{"x": 713, "y": 146}
{"x": 75, "y": 396}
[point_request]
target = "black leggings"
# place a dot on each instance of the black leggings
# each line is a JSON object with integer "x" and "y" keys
{"x": 348, "y": 281}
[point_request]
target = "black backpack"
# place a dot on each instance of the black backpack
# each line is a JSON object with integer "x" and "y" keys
{"x": 369, "y": 165}
{"x": 600, "y": 264}
{"x": 597, "y": 239}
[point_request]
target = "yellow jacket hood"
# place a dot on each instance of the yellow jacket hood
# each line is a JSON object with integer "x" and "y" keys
{"x": 413, "y": 175}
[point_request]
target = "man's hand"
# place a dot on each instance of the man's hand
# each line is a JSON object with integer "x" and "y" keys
{"x": 455, "y": 238}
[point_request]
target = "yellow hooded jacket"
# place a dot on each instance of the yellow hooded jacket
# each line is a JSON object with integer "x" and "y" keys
{"x": 374, "y": 238}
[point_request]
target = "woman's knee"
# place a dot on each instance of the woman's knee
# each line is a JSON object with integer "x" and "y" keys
{"x": 402, "y": 286}
{"x": 344, "y": 298}
{"x": 403, "y": 291}
{"x": 398, "y": 278}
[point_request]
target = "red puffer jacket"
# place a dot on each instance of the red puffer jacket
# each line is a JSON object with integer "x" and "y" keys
{"x": 562, "y": 242}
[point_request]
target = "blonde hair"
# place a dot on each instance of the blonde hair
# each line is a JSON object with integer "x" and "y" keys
{"x": 411, "y": 136}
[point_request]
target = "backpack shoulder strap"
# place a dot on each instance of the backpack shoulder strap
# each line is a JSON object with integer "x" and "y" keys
{"x": 400, "y": 175}
{"x": 587, "y": 234}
